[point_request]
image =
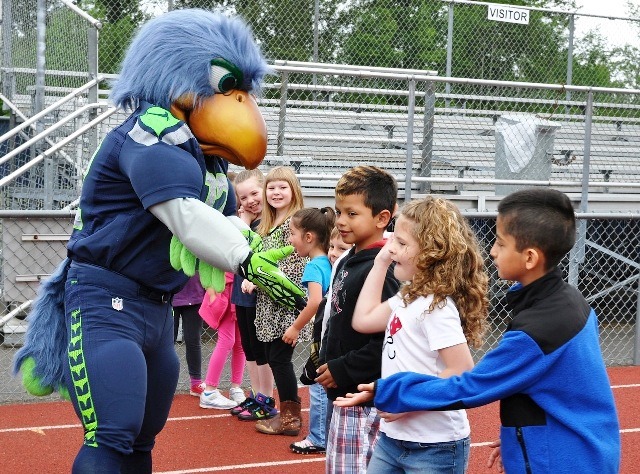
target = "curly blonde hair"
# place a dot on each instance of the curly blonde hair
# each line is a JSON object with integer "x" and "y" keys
{"x": 449, "y": 263}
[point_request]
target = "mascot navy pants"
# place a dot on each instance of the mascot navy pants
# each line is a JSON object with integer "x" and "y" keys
{"x": 123, "y": 369}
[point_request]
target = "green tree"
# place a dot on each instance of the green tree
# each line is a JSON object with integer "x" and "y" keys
{"x": 119, "y": 18}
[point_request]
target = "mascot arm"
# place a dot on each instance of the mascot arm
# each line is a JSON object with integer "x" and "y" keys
{"x": 198, "y": 226}
{"x": 195, "y": 224}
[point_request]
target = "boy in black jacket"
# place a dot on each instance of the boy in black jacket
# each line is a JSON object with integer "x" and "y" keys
{"x": 365, "y": 203}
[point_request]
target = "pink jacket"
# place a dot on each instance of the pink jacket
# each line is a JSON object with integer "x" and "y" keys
{"x": 214, "y": 311}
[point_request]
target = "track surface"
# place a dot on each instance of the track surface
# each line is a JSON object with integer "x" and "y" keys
{"x": 44, "y": 437}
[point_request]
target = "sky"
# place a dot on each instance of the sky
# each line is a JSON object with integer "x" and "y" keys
{"x": 617, "y": 31}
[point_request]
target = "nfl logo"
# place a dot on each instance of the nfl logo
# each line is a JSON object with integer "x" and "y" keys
{"x": 116, "y": 303}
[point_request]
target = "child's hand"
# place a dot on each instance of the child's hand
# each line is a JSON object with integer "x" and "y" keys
{"x": 495, "y": 458}
{"x": 325, "y": 378}
{"x": 247, "y": 287}
{"x": 291, "y": 335}
{"x": 246, "y": 216}
{"x": 212, "y": 294}
{"x": 384, "y": 256}
{"x": 353, "y": 399}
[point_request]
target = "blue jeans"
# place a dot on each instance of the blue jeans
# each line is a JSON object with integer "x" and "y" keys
{"x": 318, "y": 420}
{"x": 393, "y": 456}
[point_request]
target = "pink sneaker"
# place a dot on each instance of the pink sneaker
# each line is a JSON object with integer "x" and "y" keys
{"x": 197, "y": 389}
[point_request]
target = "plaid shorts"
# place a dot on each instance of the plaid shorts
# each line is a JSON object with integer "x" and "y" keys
{"x": 352, "y": 436}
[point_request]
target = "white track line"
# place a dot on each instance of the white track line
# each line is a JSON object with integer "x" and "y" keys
{"x": 635, "y": 385}
{"x": 40, "y": 429}
{"x": 245, "y": 466}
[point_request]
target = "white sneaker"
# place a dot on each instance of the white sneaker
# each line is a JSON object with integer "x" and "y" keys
{"x": 215, "y": 399}
{"x": 237, "y": 395}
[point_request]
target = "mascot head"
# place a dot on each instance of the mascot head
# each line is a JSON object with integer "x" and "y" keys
{"x": 204, "y": 67}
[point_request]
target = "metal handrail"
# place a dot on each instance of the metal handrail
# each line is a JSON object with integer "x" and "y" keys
{"x": 83, "y": 14}
{"x": 51, "y": 108}
{"x": 452, "y": 80}
{"x": 31, "y": 163}
{"x": 16, "y": 110}
{"x": 48, "y": 131}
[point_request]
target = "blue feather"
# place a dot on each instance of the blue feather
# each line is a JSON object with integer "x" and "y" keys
{"x": 171, "y": 56}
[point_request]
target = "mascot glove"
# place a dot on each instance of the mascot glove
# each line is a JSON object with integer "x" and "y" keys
{"x": 181, "y": 258}
{"x": 253, "y": 239}
{"x": 261, "y": 268}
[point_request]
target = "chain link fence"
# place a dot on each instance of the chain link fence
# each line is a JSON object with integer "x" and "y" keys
{"x": 472, "y": 140}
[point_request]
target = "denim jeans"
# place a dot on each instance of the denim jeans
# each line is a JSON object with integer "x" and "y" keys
{"x": 318, "y": 420}
{"x": 393, "y": 456}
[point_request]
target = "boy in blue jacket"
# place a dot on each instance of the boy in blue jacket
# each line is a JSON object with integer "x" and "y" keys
{"x": 556, "y": 405}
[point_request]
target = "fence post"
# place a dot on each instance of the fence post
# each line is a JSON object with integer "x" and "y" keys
{"x": 447, "y": 86}
{"x": 282, "y": 113}
{"x": 7, "y": 47}
{"x": 636, "y": 340}
{"x": 577, "y": 253}
{"x": 427, "y": 135}
{"x": 570, "y": 59}
{"x": 410, "y": 127}
{"x": 316, "y": 25}
{"x": 39, "y": 105}
{"x": 92, "y": 93}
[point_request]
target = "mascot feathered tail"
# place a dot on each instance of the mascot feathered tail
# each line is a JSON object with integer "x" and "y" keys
{"x": 200, "y": 69}
{"x": 46, "y": 339}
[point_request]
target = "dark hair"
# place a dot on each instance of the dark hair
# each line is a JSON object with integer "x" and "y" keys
{"x": 378, "y": 188}
{"x": 317, "y": 221}
{"x": 541, "y": 218}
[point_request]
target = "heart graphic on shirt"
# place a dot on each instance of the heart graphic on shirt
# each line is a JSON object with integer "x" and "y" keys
{"x": 395, "y": 326}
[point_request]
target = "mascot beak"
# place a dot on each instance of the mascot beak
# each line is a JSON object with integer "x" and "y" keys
{"x": 228, "y": 125}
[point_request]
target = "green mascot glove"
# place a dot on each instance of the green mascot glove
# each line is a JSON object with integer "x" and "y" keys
{"x": 261, "y": 268}
{"x": 181, "y": 258}
{"x": 253, "y": 239}
{"x": 211, "y": 277}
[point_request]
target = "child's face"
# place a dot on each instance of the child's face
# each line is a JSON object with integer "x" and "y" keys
{"x": 356, "y": 222}
{"x": 404, "y": 249}
{"x": 278, "y": 194}
{"x": 249, "y": 194}
{"x": 300, "y": 240}
{"x": 510, "y": 263}
{"x": 336, "y": 248}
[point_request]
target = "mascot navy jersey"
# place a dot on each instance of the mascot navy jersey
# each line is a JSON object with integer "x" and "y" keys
{"x": 151, "y": 158}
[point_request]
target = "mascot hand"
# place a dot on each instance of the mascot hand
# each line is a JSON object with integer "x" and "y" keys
{"x": 211, "y": 277}
{"x": 253, "y": 239}
{"x": 261, "y": 268}
{"x": 33, "y": 384}
{"x": 181, "y": 258}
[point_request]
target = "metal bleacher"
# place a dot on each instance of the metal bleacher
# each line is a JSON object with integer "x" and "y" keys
{"x": 327, "y": 140}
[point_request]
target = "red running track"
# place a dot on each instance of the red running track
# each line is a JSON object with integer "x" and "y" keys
{"x": 44, "y": 437}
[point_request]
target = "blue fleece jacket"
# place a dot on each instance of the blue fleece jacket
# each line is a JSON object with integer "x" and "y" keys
{"x": 556, "y": 405}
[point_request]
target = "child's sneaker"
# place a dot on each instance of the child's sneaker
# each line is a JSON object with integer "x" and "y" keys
{"x": 265, "y": 409}
{"x": 237, "y": 395}
{"x": 197, "y": 389}
{"x": 306, "y": 447}
{"x": 215, "y": 399}
{"x": 248, "y": 404}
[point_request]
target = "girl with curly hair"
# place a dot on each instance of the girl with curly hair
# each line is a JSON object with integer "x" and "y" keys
{"x": 441, "y": 308}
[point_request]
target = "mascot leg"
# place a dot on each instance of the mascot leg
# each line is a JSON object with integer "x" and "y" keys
{"x": 43, "y": 358}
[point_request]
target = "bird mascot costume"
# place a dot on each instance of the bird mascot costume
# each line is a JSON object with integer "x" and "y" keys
{"x": 101, "y": 328}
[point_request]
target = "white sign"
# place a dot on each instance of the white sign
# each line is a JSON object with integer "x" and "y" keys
{"x": 508, "y": 14}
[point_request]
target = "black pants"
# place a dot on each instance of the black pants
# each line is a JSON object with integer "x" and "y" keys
{"x": 192, "y": 333}
{"x": 254, "y": 350}
{"x": 279, "y": 355}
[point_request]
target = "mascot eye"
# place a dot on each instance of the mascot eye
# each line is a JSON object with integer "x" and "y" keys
{"x": 224, "y": 76}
